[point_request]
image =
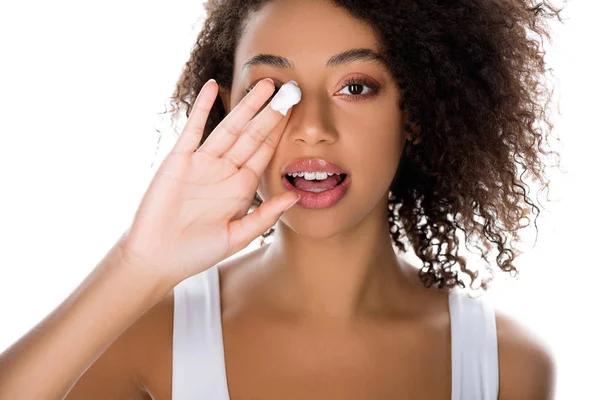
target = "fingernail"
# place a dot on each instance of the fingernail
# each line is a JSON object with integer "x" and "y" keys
{"x": 204, "y": 86}
{"x": 291, "y": 205}
{"x": 288, "y": 96}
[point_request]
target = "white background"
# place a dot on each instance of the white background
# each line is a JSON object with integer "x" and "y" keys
{"x": 81, "y": 86}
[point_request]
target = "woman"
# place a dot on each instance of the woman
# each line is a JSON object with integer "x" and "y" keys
{"x": 393, "y": 121}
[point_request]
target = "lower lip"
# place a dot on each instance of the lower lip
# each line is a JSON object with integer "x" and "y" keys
{"x": 325, "y": 199}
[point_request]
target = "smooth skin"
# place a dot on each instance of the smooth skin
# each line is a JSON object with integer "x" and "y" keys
{"x": 326, "y": 311}
{"x": 191, "y": 216}
{"x": 184, "y": 225}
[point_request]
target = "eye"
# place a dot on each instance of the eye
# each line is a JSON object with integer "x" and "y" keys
{"x": 357, "y": 85}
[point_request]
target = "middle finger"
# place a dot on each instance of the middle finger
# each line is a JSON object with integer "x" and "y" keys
{"x": 260, "y": 127}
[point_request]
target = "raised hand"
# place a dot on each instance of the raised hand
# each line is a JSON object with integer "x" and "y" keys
{"x": 194, "y": 213}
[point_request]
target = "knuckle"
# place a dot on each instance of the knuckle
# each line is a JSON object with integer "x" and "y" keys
{"x": 256, "y": 134}
{"x": 227, "y": 128}
{"x": 204, "y": 109}
{"x": 271, "y": 142}
{"x": 233, "y": 159}
{"x": 249, "y": 105}
{"x": 250, "y": 177}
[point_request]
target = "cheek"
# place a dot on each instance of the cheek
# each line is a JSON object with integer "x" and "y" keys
{"x": 376, "y": 160}
{"x": 377, "y": 145}
{"x": 271, "y": 173}
{"x": 377, "y": 163}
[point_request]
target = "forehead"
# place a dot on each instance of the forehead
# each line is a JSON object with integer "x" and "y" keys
{"x": 306, "y": 31}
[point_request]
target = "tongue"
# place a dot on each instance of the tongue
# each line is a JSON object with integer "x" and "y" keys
{"x": 328, "y": 183}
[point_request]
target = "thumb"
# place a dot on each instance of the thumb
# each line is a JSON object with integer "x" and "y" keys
{"x": 245, "y": 230}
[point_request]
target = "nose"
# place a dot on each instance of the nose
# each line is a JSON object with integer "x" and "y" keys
{"x": 311, "y": 122}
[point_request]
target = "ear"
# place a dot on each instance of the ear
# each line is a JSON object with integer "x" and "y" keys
{"x": 414, "y": 131}
{"x": 225, "y": 98}
{"x": 417, "y": 133}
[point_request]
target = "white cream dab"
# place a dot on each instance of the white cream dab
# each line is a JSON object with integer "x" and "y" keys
{"x": 288, "y": 96}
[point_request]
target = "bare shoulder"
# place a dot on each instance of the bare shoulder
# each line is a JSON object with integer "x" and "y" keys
{"x": 526, "y": 363}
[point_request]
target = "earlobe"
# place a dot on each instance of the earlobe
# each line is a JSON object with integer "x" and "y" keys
{"x": 414, "y": 132}
{"x": 417, "y": 133}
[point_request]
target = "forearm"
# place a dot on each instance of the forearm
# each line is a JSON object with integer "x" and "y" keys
{"x": 50, "y": 358}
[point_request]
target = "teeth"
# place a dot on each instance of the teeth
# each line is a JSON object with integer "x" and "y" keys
{"x": 311, "y": 176}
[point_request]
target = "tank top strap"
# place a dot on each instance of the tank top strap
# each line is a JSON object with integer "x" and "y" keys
{"x": 198, "y": 355}
{"x": 474, "y": 347}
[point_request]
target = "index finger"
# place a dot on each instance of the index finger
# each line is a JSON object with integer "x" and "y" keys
{"x": 230, "y": 128}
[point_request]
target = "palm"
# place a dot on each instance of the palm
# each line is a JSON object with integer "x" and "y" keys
{"x": 194, "y": 213}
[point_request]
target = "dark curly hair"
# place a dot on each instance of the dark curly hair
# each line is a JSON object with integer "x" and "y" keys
{"x": 472, "y": 80}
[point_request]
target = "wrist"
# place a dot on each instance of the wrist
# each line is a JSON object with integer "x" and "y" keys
{"x": 142, "y": 271}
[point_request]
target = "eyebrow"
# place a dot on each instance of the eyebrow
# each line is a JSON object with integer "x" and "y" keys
{"x": 344, "y": 57}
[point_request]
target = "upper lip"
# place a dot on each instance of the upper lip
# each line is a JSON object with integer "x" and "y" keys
{"x": 313, "y": 165}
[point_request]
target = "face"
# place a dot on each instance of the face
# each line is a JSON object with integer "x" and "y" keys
{"x": 349, "y": 113}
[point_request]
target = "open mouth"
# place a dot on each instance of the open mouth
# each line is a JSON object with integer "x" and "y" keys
{"x": 316, "y": 185}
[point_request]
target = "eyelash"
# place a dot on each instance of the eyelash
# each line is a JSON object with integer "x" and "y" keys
{"x": 351, "y": 81}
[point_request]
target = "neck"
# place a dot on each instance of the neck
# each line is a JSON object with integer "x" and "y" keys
{"x": 351, "y": 274}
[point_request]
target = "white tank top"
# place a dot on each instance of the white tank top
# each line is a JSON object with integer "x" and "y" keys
{"x": 198, "y": 354}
